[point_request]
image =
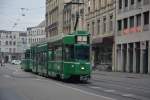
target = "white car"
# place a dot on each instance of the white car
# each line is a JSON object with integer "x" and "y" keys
{"x": 16, "y": 62}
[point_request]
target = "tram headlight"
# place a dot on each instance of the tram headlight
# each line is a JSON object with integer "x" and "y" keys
{"x": 82, "y": 68}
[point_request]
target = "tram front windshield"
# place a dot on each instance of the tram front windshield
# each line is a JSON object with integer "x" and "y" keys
{"x": 82, "y": 53}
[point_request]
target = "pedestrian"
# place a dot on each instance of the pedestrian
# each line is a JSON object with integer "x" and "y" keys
{"x": 1, "y": 63}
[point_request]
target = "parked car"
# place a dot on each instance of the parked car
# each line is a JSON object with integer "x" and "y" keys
{"x": 16, "y": 62}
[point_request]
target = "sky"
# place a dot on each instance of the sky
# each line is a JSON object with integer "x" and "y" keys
{"x": 17, "y": 15}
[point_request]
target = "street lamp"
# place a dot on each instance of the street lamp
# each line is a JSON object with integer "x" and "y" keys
{"x": 77, "y": 14}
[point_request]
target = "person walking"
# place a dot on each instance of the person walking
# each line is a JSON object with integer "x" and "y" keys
{"x": 1, "y": 63}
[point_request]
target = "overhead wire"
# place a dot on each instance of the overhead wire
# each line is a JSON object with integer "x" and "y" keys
{"x": 23, "y": 14}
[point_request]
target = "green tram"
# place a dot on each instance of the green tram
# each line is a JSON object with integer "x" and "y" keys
{"x": 26, "y": 63}
{"x": 64, "y": 57}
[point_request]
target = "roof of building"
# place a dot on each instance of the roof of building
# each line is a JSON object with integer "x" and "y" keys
{"x": 42, "y": 24}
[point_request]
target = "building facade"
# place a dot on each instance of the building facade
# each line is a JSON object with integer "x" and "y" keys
{"x": 54, "y": 17}
{"x": 36, "y": 34}
{"x": 100, "y": 22}
{"x": 73, "y": 16}
{"x": 12, "y": 45}
{"x": 61, "y": 16}
{"x": 132, "y": 36}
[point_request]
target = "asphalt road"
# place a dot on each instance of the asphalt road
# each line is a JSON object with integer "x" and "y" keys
{"x": 16, "y": 84}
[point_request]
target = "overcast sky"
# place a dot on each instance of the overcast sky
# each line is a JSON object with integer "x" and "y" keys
{"x": 20, "y": 14}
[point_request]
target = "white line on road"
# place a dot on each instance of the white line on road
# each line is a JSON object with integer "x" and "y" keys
{"x": 7, "y": 76}
{"x": 110, "y": 90}
{"x": 85, "y": 92}
{"x": 128, "y": 95}
{"x": 96, "y": 87}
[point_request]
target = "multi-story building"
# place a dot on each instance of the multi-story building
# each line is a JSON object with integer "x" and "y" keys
{"x": 133, "y": 36}
{"x": 54, "y": 17}
{"x": 100, "y": 22}
{"x": 12, "y": 44}
{"x": 61, "y": 16}
{"x": 36, "y": 34}
{"x": 73, "y": 16}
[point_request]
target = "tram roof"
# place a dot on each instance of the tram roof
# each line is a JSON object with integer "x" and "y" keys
{"x": 60, "y": 37}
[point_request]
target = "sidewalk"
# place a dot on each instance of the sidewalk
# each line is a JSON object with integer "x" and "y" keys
{"x": 121, "y": 74}
{"x": 129, "y": 79}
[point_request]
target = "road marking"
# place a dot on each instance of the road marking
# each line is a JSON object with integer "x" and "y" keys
{"x": 7, "y": 76}
{"x": 38, "y": 79}
{"x": 96, "y": 87}
{"x": 85, "y": 92}
{"x": 128, "y": 95}
{"x": 109, "y": 90}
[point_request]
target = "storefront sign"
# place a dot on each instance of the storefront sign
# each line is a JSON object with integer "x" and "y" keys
{"x": 132, "y": 30}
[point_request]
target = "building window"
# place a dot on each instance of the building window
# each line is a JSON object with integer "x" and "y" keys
{"x": 111, "y": 23}
{"x": 93, "y": 5}
{"x": 146, "y": 18}
{"x": 99, "y": 4}
{"x": 126, "y": 3}
{"x": 119, "y": 25}
{"x": 10, "y": 50}
{"x": 98, "y": 26}
{"x": 146, "y": 2}
{"x": 10, "y": 43}
{"x": 93, "y": 30}
{"x": 131, "y": 21}
{"x": 0, "y": 42}
{"x": 104, "y": 24}
{"x": 14, "y": 43}
{"x": 120, "y": 4}
{"x": 10, "y": 36}
{"x": 125, "y": 23}
{"x": 132, "y": 2}
{"x": 138, "y": 20}
{"x": 14, "y": 50}
{"x": 6, "y": 42}
{"x": 88, "y": 27}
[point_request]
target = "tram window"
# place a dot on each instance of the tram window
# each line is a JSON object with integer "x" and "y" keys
{"x": 50, "y": 55}
{"x": 82, "y": 39}
{"x": 27, "y": 55}
{"x": 69, "y": 52}
{"x": 58, "y": 53}
{"x": 82, "y": 52}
